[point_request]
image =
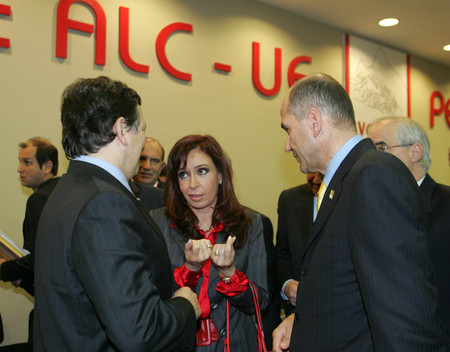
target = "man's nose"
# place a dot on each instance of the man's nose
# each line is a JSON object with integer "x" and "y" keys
{"x": 147, "y": 164}
{"x": 287, "y": 145}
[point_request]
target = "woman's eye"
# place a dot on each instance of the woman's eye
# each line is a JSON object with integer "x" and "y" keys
{"x": 203, "y": 171}
{"x": 182, "y": 175}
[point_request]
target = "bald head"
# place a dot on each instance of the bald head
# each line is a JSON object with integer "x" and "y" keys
{"x": 151, "y": 162}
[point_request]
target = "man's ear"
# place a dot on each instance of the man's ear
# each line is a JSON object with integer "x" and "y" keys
{"x": 120, "y": 128}
{"x": 315, "y": 121}
{"x": 47, "y": 167}
{"x": 416, "y": 152}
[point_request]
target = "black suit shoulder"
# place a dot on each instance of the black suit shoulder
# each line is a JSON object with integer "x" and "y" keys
{"x": 437, "y": 203}
{"x": 151, "y": 198}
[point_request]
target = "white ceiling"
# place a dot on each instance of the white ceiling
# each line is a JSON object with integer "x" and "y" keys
{"x": 423, "y": 30}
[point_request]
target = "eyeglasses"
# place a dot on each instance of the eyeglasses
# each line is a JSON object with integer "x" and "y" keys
{"x": 383, "y": 147}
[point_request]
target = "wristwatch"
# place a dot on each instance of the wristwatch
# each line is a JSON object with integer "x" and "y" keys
{"x": 226, "y": 279}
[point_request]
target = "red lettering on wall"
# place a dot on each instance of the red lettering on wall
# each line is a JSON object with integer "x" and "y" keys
{"x": 124, "y": 36}
{"x": 222, "y": 67}
{"x": 5, "y": 10}
{"x": 63, "y": 24}
{"x": 256, "y": 71}
{"x": 161, "y": 41}
{"x": 294, "y": 76}
{"x": 438, "y": 110}
{"x": 361, "y": 128}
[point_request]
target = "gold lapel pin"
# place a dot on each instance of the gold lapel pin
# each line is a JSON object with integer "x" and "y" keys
{"x": 331, "y": 194}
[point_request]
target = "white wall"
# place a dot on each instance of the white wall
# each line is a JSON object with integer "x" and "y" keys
{"x": 229, "y": 107}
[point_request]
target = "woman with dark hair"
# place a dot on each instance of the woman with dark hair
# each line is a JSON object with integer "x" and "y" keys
{"x": 216, "y": 245}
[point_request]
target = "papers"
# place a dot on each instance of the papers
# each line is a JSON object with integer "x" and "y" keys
{"x": 9, "y": 250}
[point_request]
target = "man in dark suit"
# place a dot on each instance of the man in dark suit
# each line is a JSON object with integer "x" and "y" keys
{"x": 407, "y": 140}
{"x": 151, "y": 198}
{"x": 366, "y": 280}
{"x": 296, "y": 214}
{"x": 103, "y": 276}
{"x": 38, "y": 167}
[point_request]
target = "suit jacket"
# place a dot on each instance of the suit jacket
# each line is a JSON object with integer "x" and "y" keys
{"x": 103, "y": 278}
{"x": 271, "y": 314}
{"x": 295, "y": 219}
{"x": 437, "y": 205}
{"x": 23, "y": 268}
{"x": 150, "y": 197}
{"x": 251, "y": 260}
{"x": 366, "y": 279}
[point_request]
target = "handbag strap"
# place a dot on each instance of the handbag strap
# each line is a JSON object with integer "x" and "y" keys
{"x": 261, "y": 343}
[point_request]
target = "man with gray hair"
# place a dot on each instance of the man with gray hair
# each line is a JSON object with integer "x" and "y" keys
{"x": 366, "y": 279}
{"x": 407, "y": 140}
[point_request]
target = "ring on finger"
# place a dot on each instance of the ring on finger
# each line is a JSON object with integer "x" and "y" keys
{"x": 216, "y": 251}
{"x": 209, "y": 246}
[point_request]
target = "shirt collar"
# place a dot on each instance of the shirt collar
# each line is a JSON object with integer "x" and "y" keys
{"x": 419, "y": 183}
{"x": 108, "y": 167}
{"x": 339, "y": 157}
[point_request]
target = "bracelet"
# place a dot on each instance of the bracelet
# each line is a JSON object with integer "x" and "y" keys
{"x": 225, "y": 279}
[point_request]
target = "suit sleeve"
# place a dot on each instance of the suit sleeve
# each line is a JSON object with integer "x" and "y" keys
{"x": 391, "y": 258}
{"x": 282, "y": 250}
{"x": 115, "y": 270}
{"x": 256, "y": 270}
{"x": 23, "y": 268}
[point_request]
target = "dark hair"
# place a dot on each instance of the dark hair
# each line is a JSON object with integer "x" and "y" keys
{"x": 228, "y": 210}
{"x": 324, "y": 93}
{"x": 89, "y": 109}
{"x": 45, "y": 151}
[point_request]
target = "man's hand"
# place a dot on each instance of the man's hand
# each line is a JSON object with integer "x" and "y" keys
{"x": 290, "y": 290}
{"x": 282, "y": 335}
{"x": 2, "y": 261}
{"x": 187, "y": 293}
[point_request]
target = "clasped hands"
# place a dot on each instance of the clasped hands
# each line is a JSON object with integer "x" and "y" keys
{"x": 197, "y": 252}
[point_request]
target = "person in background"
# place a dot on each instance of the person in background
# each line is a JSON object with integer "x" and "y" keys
{"x": 366, "y": 281}
{"x": 296, "y": 213}
{"x": 163, "y": 175}
{"x": 216, "y": 245}
{"x": 407, "y": 140}
{"x": 151, "y": 163}
{"x": 38, "y": 167}
{"x": 103, "y": 277}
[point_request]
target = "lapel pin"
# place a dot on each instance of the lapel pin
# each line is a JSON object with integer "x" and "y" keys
{"x": 331, "y": 194}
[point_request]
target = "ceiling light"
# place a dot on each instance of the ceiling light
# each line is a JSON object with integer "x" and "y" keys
{"x": 446, "y": 47}
{"x": 388, "y": 22}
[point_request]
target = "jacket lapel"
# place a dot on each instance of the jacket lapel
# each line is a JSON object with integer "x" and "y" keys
{"x": 334, "y": 189}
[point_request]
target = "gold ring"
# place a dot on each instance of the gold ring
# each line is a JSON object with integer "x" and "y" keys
{"x": 209, "y": 246}
{"x": 216, "y": 251}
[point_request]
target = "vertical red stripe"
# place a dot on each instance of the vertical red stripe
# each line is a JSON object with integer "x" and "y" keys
{"x": 347, "y": 63}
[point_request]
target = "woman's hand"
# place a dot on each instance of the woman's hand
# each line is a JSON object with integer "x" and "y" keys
{"x": 223, "y": 257}
{"x": 197, "y": 253}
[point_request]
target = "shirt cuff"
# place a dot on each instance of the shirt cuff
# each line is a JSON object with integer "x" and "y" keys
{"x": 238, "y": 285}
{"x": 185, "y": 277}
{"x": 283, "y": 295}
